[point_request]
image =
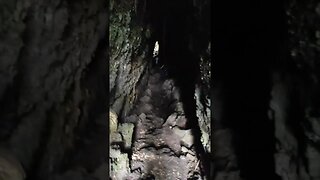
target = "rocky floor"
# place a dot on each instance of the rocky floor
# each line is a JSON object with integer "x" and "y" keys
{"x": 161, "y": 148}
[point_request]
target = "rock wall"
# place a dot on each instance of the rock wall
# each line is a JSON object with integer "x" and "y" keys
{"x": 52, "y": 78}
{"x": 295, "y": 95}
{"x": 134, "y": 28}
{"x": 266, "y": 91}
{"x": 130, "y": 50}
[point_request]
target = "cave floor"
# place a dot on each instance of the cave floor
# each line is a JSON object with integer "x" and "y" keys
{"x": 162, "y": 147}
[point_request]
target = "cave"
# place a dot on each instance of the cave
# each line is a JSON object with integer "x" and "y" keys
{"x": 163, "y": 103}
{"x": 159, "y": 89}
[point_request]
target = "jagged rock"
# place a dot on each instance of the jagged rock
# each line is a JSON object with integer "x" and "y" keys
{"x": 186, "y": 136}
{"x": 142, "y": 116}
{"x": 126, "y": 130}
{"x": 52, "y": 78}
{"x": 145, "y": 99}
{"x": 171, "y": 120}
{"x": 148, "y": 92}
{"x": 115, "y": 137}
{"x": 131, "y": 119}
{"x": 181, "y": 121}
{"x": 113, "y": 121}
{"x": 179, "y": 108}
{"x": 144, "y": 108}
{"x": 119, "y": 167}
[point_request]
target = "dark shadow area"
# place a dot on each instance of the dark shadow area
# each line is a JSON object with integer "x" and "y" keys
{"x": 248, "y": 40}
{"x": 90, "y": 129}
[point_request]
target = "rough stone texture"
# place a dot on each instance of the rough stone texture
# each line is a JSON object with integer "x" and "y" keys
{"x": 129, "y": 49}
{"x": 113, "y": 121}
{"x": 52, "y": 76}
{"x": 295, "y": 96}
{"x": 126, "y": 130}
{"x": 119, "y": 165}
{"x": 134, "y": 28}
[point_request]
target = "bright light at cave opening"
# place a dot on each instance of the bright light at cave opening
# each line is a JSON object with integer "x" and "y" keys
{"x": 156, "y": 49}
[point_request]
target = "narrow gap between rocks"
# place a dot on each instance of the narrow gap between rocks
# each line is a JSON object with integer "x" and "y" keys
{"x": 166, "y": 141}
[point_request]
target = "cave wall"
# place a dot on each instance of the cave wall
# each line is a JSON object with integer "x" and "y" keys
{"x": 295, "y": 95}
{"x": 52, "y": 76}
{"x": 130, "y": 51}
{"x": 266, "y": 91}
{"x": 183, "y": 33}
{"x": 247, "y": 42}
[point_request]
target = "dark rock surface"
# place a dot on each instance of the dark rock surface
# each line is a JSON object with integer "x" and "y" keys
{"x": 172, "y": 119}
{"x": 157, "y": 146}
{"x": 266, "y": 90}
{"x": 52, "y": 83}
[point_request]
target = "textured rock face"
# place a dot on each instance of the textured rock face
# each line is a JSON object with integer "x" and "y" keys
{"x": 135, "y": 26}
{"x": 286, "y": 89}
{"x": 129, "y": 49}
{"x": 295, "y": 100}
{"x": 52, "y": 76}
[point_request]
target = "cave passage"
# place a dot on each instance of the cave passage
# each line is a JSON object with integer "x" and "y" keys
{"x": 166, "y": 142}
